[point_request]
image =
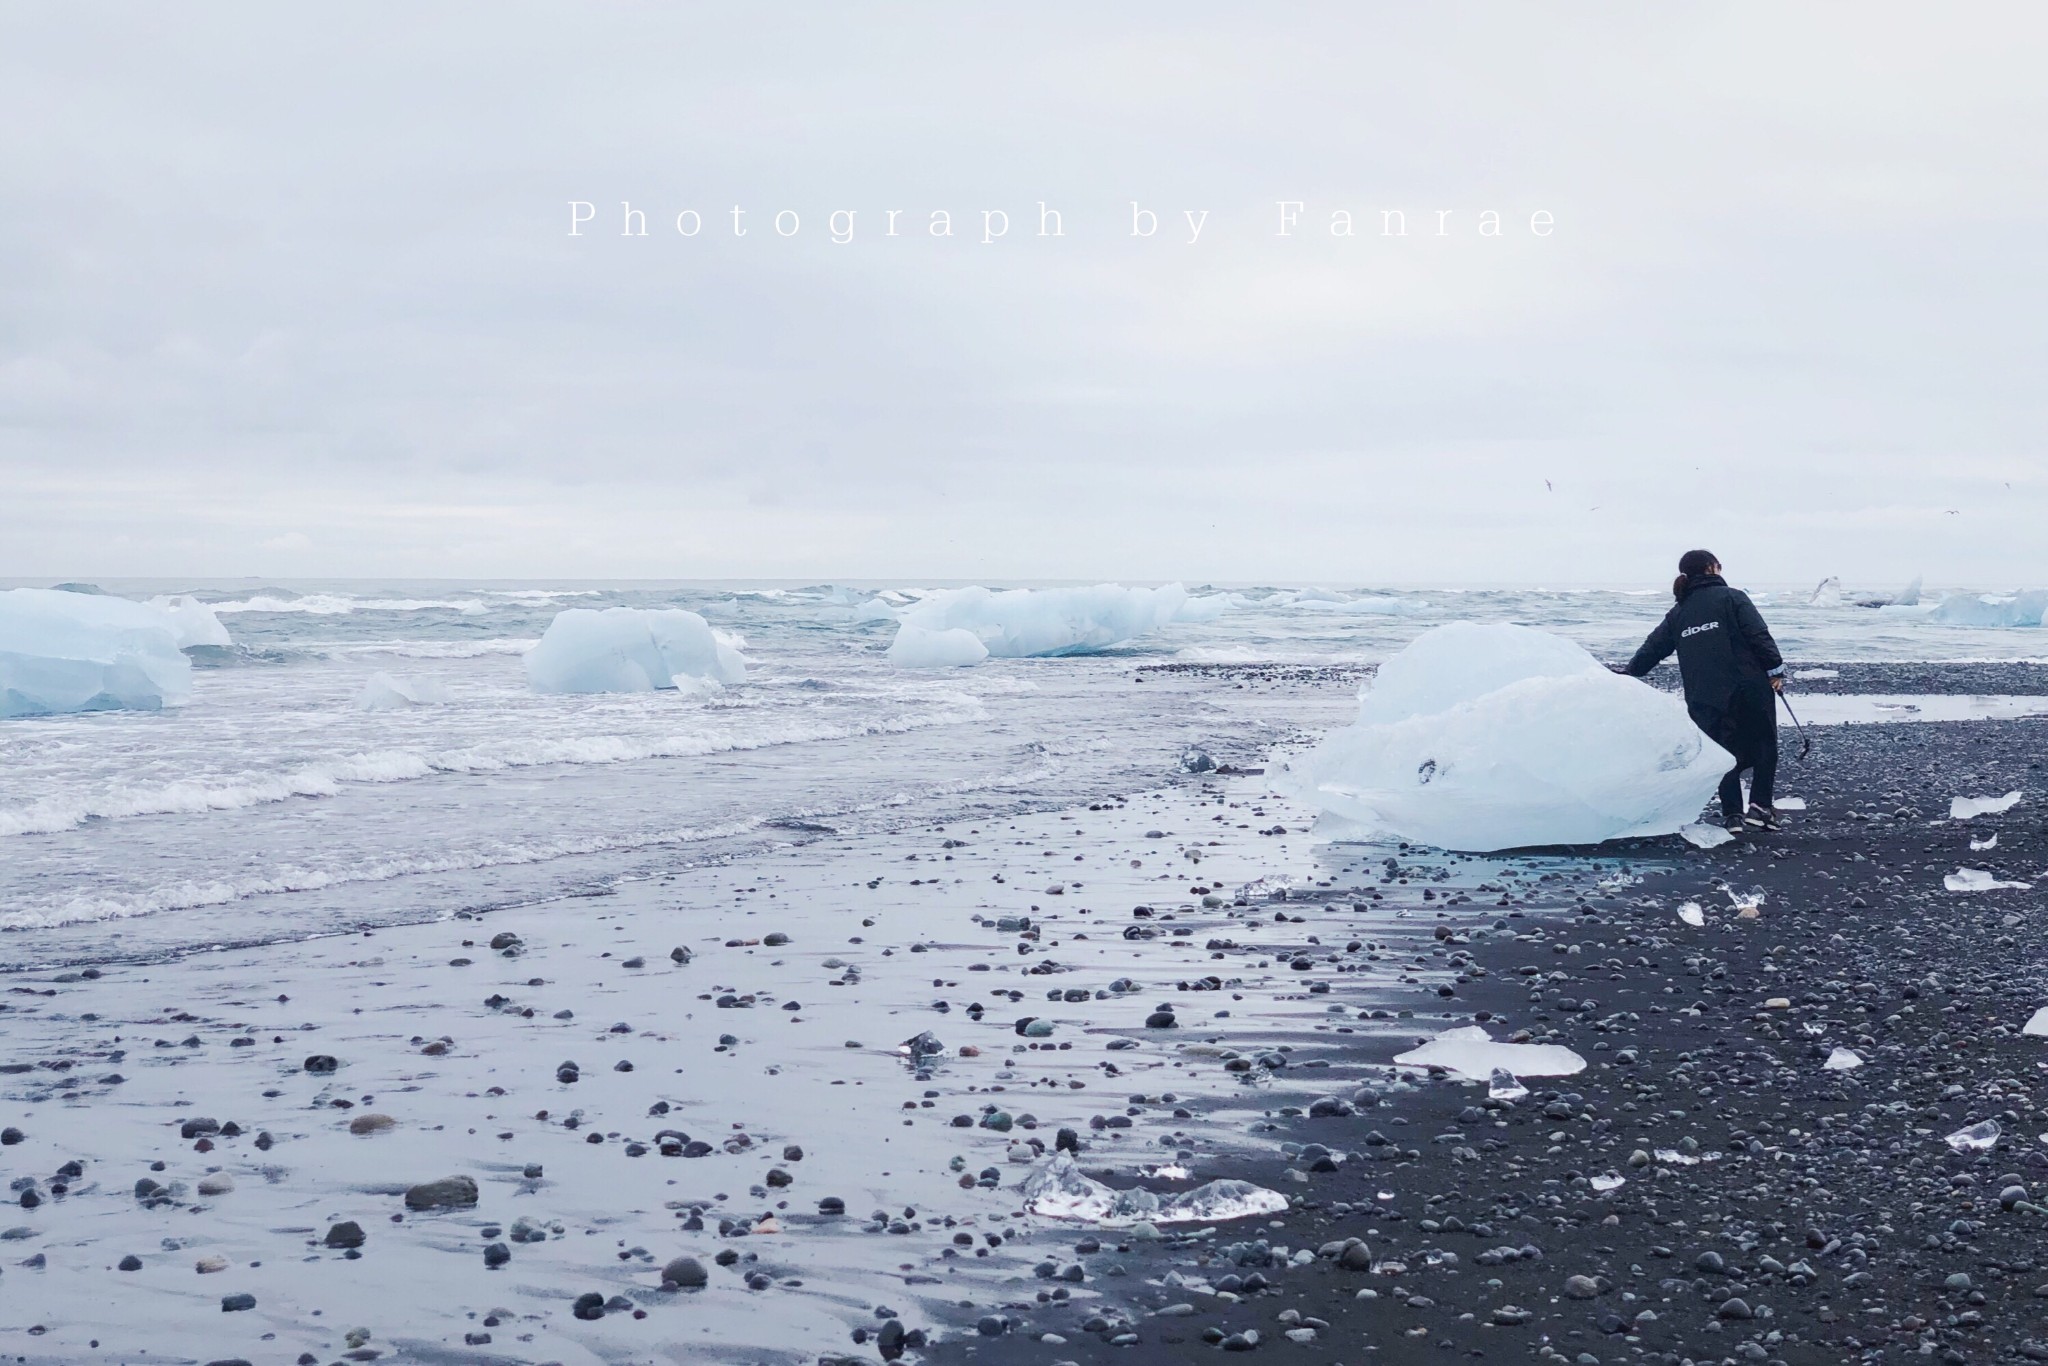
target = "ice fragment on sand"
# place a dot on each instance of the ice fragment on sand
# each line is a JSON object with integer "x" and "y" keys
{"x": 1611, "y": 1181}
{"x": 1966, "y": 808}
{"x": 70, "y": 652}
{"x": 1842, "y": 1059}
{"x": 385, "y": 692}
{"x": 1024, "y": 622}
{"x": 1789, "y": 804}
{"x": 631, "y": 649}
{"x": 1691, "y": 914}
{"x": 1815, "y": 675}
{"x": 1988, "y": 842}
{"x": 1974, "y": 1139}
{"x": 1977, "y": 880}
{"x": 1705, "y": 836}
{"x": 1674, "y": 1158}
{"x": 2037, "y": 1023}
{"x": 1503, "y": 1085}
{"x": 1472, "y": 1054}
{"x": 1481, "y": 737}
{"x": 1060, "y": 1190}
{"x": 917, "y": 648}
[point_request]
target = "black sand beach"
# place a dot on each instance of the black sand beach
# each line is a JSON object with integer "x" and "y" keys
{"x": 1771, "y": 1211}
{"x": 693, "y": 1134}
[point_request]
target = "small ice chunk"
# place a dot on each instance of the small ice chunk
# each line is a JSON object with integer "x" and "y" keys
{"x": 917, "y": 648}
{"x": 1842, "y": 1059}
{"x": 386, "y": 692}
{"x": 1827, "y": 594}
{"x": 1815, "y": 675}
{"x": 1746, "y": 903}
{"x": 1705, "y": 836}
{"x": 1988, "y": 842}
{"x": 1789, "y": 804}
{"x": 1021, "y": 623}
{"x": 2037, "y": 1024}
{"x": 1610, "y": 1181}
{"x": 1692, "y": 915}
{"x": 1671, "y": 1157}
{"x": 1974, "y": 1139}
{"x": 1977, "y": 880}
{"x": 1503, "y": 1085}
{"x": 1471, "y": 1053}
{"x": 1061, "y": 1190}
{"x": 1966, "y": 808}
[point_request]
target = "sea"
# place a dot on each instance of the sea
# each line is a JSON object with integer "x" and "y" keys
{"x": 276, "y": 804}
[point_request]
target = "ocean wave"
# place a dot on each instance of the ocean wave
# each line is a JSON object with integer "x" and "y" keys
{"x": 343, "y": 604}
{"x": 330, "y": 777}
{"x": 431, "y": 649}
{"x": 195, "y": 894}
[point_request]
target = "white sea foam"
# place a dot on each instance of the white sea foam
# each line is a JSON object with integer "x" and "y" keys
{"x": 433, "y": 649}
{"x": 329, "y": 777}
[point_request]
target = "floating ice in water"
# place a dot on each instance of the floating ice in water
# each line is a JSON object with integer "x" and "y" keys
{"x": 1842, "y": 1059}
{"x": 1788, "y": 804}
{"x": 2037, "y": 1023}
{"x": 1977, "y": 880}
{"x": 1473, "y": 1054}
{"x": 917, "y": 648}
{"x": 69, "y": 652}
{"x": 385, "y": 692}
{"x": 1909, "y": 596}
{"x": 1503, "y": 1085}
{"x": 874, "y": 609}
{"x": 1815, "y": 675}
{"x": 193, "y": 623}
{"x": 1988, "y": 842}
{"x": 630, "y": 649}
{"x": 2021, "y": 609}
{"x": 1611, "y": 1181}
{"x": 1967, "y": 808}
{"x": 1060, "y": 1190}
{"x": 1025, "y": 622}
{"x": 1974, "y": 1139}
{"x": 1828, "y": 594}
{"x": 1483, "y": 737}
{"x": 1705, "y": 836}
{"x": 1692, "y": 915}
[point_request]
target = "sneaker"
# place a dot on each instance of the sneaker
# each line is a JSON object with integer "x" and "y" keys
{"x": 1735, "y": 825}
{"x": 1762, "y": 817}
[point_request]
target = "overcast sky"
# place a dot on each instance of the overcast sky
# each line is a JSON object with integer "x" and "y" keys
{"x": 290, "y": 291}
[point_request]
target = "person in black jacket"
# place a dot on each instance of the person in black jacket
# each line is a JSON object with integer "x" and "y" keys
{"x": 1732, "y": 671}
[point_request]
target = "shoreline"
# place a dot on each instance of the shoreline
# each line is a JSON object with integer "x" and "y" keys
{"x": 954, "y": 928}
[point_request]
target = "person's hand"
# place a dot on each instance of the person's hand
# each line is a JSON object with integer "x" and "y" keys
{"x": 1617, "y": 669}
{"x": 1778, "y": 683}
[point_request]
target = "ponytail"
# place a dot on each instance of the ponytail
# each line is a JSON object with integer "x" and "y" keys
{"x": 1678, "y": 587}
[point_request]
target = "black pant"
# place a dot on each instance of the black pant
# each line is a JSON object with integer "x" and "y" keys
{"x": 1748, "y": 729}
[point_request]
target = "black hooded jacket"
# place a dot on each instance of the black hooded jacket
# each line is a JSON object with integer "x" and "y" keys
{"x": 1721, "y": 642}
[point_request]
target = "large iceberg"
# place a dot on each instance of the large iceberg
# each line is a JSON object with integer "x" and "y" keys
{"x": 1968, "y": 609}
{"x": 632, "y": 649}
{"x": 68, "y": 652}
{"x": 1023, "y": 622}
{"x": 1499, "y": 737}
